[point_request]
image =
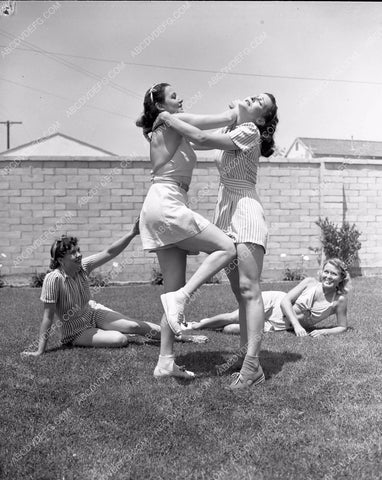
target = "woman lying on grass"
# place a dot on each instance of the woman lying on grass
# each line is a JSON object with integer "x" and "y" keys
{"x": 83, "y": 322}
{"x": 307, "y": 304}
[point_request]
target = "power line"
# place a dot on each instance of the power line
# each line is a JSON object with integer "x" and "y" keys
{"x": 63, "y": 98}
{"x": 199, "y": 70}
{"x": 53, "y": 56}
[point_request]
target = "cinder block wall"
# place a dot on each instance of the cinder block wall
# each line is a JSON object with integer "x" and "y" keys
{"x": 97, "y": 200}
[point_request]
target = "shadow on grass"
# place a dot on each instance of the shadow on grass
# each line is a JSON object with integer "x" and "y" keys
{"x": 205, "y": 363}
{"x": 272, "y": 362}
{"x": 133, "y": 340}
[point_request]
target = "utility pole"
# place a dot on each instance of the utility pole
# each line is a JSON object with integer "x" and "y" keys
{"x": 8, "y": 124}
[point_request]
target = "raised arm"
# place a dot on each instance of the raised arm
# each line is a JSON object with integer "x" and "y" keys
{"x": 98, "y": 259}
{"x": 47, "y": 319}
{"x": 342, "y": 323}
{"x": 206, "y": 140}
{"x": 287, "y": 305}
{"x": 209, "y": 121}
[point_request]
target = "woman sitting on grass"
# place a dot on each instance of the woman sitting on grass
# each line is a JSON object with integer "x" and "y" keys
{"x": 307, "y": 304}
{"x": 83, "y": 322}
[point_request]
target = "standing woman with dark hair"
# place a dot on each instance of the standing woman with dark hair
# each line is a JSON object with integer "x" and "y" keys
{"x": 239, "y": 212}
{"x": 167, "y": 226}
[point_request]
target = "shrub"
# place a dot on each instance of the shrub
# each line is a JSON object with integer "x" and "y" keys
{"x": 38, "y": 279}
{"x": 340, "y": 241}
{"x": 98, "y": 280}
{"x": 156, "y": 277}
{"x": 291, "y": 275}
{"x": 214, "y": 280}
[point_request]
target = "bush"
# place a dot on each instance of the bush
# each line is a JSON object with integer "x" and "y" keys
{"x": 156, "y": 277}
{"x": 98, "y": 280}
{"x": 38, "y": 279}
{"x": 214, "y": 280}
{"x": 340, "y": 241}
{"x": 291, "y": 275}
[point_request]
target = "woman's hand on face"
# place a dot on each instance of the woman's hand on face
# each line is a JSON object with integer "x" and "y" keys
{"x": 163, "y": 116}
{"x": 240, "y": 108}
{"x": 234, "y": 103}
{"x": 300, "y": 331}
{"x": 161, "y": 119}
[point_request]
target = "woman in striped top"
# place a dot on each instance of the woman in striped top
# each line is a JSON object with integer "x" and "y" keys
{"x": 168, "y": 226}
{"x": 239, "y": 212}
{"x": 66, "y": 293}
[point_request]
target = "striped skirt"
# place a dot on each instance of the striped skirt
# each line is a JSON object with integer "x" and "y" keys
{"x": 240, "y": 215}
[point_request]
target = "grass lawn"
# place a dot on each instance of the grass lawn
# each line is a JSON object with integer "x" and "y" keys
{"x": 99, "y": 413}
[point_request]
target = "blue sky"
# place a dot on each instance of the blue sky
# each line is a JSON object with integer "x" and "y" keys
{"x": 321, "y": 60}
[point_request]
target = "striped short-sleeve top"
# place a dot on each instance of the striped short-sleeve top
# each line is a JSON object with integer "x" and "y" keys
{"x": 239, "y": 211}
{"x": 71, "y": 297}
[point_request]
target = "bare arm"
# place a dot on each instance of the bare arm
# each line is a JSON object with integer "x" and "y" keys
{"x": 342, "y": 324}
{"x": 206, "y": 140}
{"x": 98, "y": 259}
{"x": 288, "y": 302}
{"x": 47, "y": 319}
{"x": 199, "y": 147}
{"x": 209, "y": 121}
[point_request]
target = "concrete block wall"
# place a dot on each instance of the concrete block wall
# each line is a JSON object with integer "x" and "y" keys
{"x": 98, "y": 200}
{"x": 290, "y": 196}
{"x": 353, "y": 191}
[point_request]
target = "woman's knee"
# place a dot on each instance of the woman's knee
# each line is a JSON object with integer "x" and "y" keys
{"x": 119, "y": 339}
{"x": 250, "y": 290}
{"x": 231, "y": 251}
{"x": 232, "y": 329}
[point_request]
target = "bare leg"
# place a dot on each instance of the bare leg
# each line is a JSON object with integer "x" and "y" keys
{"x": 232, "y": 272}
{"x": 221, "y": 251}
{"x": 95, "y": 337}
{"x": 172, "y": 262}
{"x": 111, "y": 320}
{"x": 250, "y": 263}
{"x": 250, "y": 257}
{"x": 217, "y": 321}
{"x": 233, "y": 329}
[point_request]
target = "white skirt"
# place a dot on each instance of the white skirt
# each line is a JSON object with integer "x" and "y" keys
{"x": 274, "y": 317}
{"x": 165, "y": 218}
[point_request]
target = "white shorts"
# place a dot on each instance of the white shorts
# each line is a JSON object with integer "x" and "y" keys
{"x": 165, "y": 218}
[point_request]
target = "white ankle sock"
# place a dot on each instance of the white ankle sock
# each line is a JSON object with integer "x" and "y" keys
{"x": 166, "y": 360}
{"x": 183, "y": 292}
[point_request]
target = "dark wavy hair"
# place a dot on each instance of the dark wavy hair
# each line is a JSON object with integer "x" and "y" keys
{"x": 150, "y": 112}
{"x": 269, "y": 128}
{"x": 59, "y": 248}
